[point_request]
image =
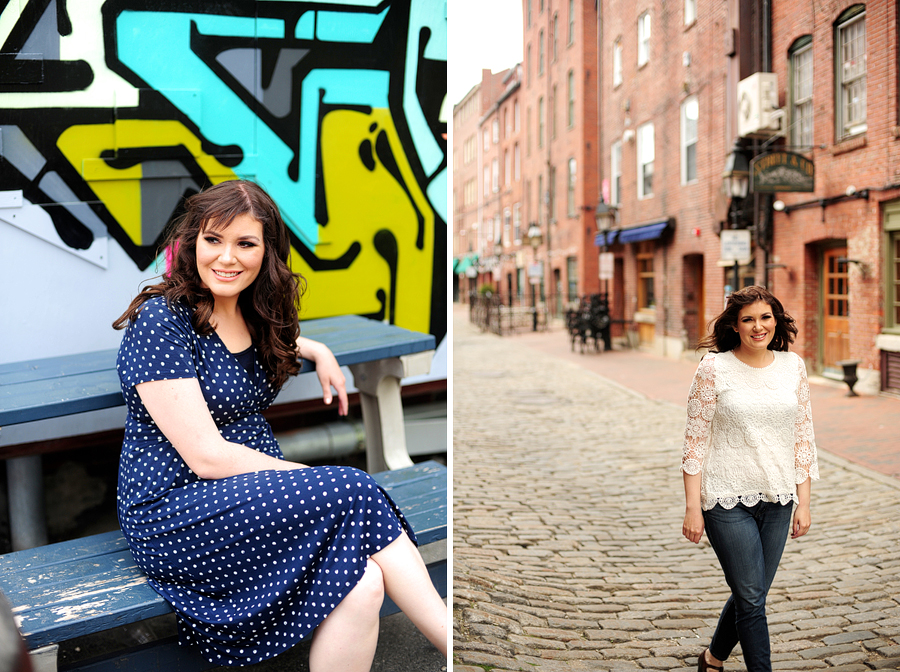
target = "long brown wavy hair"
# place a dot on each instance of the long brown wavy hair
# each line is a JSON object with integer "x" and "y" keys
{"x": 269, "y": 305}
{"x": 723, "y": 336}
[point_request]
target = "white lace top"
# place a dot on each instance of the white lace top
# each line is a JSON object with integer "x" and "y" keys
{"x": 749, "y": 430}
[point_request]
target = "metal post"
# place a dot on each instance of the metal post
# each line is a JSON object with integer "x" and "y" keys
{"x": 27, "y": 522}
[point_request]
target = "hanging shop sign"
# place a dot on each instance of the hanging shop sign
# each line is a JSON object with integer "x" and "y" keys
{"x": 781, "y": 171}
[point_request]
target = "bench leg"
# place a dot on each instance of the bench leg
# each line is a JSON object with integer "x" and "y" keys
{"x": 27, "y": 522}
{"x": 379, "y": 392}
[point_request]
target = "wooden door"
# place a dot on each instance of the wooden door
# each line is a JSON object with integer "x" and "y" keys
{"x": 836, "y": 308}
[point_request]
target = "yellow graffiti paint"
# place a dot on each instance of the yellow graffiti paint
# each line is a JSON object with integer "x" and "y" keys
{"x": 120, "y": 189}
{"x": 360, "y": 203}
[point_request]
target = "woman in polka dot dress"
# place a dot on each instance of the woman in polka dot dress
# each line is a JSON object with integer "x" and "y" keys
{"x": 254, "y": 553}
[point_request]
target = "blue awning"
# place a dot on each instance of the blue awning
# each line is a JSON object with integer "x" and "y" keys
{"x": 637, "y": 234}
{"x": 605, "y": 237}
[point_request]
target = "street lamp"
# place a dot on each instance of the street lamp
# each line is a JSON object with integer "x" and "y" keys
{"x": 534, "y": 238}
{"x": 736, "y": 175}
{"x": 736, "y": 179}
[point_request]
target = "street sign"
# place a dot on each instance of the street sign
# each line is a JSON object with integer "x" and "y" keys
{"x": 607, "y": 260}
{"x": 781, "y": 171}
{"x": 735, "y": 245}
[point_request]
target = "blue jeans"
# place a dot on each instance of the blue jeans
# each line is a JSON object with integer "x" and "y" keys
{"x": 749, "y": 541}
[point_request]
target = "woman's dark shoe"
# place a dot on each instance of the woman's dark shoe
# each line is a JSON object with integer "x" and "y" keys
{"x": 702, "y": 665}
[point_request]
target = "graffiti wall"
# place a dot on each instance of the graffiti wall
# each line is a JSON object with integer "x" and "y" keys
{"x": 112, "y": 112}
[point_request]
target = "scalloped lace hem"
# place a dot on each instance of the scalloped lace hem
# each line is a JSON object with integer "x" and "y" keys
{"x": 747, "y": 500}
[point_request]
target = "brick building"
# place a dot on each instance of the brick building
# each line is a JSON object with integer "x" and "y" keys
{"x": 675, "y": 97}
{"x": 561, "y": 159}
{"x": 837, "y": 250}
{"x": 487, "y": 180}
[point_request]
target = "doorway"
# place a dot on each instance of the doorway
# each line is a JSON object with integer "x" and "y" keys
{"x": 835, "y": 307}
{"x": 694, "y": 309}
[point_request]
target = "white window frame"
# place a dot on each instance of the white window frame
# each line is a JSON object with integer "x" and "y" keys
{"x": 540, "y": 52}
{"x": 690, "y": 12}
{"x": 615, "y": 171}
{"x": 851, "y": 75}
{"x": 571, "y": 36}
{"x": 570, "y": 99}
{"x": 516, "y": 116}
{"x": 517, "y": 223}
{"x": 517, "y": 162}
{"x": 802, "y": 69}
{"x": 571, "y": 177}
{"x": 646, "y": 153}
{"x": 689, "y": 137}
{"x": 495, "y": 175}
{"x": 643, "y": 39}
{"x": 617, "y": 62}
{"x": 495, "y": 131}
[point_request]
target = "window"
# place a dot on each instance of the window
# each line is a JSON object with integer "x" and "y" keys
{"x": 553, "y": 112}
{"x": 643, "y": 38}
{"x": 690, "y": 112}
{"x": 495, "y": 175}
{"x": 646, "y": 152}
{"x": 517, "y": 223}
{"x": 555, "y": 36}
{"x": 528, "y": 12}
{"x": 572, "y": 277}
{"x": 528, "y": 65}
{"x": 615, "y": 170}
{"x": 495, "y": 130}
{"x": 540, "y": 53}
{"x": 617, "y": 62}
{"x": 507, "y": 167}
{"x": 570, "y": 190}
{"x": 528, "y": 132}
{"x": 892, "y": 274}
{"x": 506, "y": 126}
{"x": 801, "y": 91}
{"x": 540, "y": 199}
{"x": 516, "y": 116}
{"x": 690, "y": 11}
{"x": 540, "y": 122}
{"x": 507, "y": 225}
{"x": 645, "y": 290}
{"x": 571, "y": 38}
{"x": 851, "y": 72}
{"x": 517, "y": 162}
{"x": 570, "y": 115}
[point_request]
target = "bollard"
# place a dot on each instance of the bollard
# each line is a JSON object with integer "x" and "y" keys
{"x": 849, "y": 366}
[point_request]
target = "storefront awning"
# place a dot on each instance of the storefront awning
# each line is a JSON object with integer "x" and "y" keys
{"x": 462, "y": 265}
{"x": 605, "y": 237}
{"x": 637, "y": 234}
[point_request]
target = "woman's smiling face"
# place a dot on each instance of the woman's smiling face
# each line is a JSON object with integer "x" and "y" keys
{"x": 756, "y": 326}
{"x": 229, "y": 259}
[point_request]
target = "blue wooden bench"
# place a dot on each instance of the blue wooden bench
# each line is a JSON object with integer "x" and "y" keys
{"x": 63, "y": 591}
{"x": 379, "y": 355}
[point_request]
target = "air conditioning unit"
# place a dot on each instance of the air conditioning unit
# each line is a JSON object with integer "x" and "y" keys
{"x": 758, "y": 112}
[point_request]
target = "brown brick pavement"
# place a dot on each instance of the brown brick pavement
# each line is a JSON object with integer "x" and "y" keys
{"x": 863, "y": 430}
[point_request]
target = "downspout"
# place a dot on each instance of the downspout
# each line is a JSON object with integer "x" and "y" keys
{"x": 765, "y": 201}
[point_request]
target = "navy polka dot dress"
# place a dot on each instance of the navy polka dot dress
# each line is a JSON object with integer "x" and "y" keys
{"x": 250, "y": 563}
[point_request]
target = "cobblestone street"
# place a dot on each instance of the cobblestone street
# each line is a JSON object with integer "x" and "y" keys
{"x": 567, "y": 547}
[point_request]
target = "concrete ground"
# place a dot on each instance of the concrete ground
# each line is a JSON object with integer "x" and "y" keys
{"x": 568, "y": 504}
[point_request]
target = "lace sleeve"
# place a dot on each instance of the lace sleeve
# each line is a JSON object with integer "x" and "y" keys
{"x": 701, "y": 408}
{"x": 806, "y": 463}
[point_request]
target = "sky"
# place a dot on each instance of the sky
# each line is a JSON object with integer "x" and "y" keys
{"x": 481, "y": 34}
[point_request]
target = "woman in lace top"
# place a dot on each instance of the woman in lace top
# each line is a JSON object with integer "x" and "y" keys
{"x": 749, "y": 455}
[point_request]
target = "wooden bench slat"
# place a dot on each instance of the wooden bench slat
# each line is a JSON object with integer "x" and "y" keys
{"x": 82, "y": 586}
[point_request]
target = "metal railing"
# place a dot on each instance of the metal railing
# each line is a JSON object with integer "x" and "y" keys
{"x": 504, "y": 316}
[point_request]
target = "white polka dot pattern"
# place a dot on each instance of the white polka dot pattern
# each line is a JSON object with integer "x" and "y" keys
{"x": 252, "y": 563}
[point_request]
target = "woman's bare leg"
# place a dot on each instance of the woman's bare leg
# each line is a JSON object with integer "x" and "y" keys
{"x": 407, "y": 583}
{"x": 346, "y": 640}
